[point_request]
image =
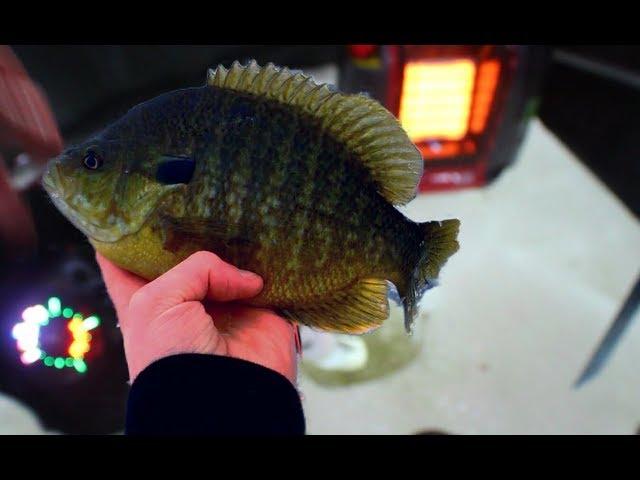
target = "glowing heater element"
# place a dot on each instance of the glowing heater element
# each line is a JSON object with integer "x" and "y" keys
{"x": 436, "y": 99}
{"x": 488, "y": 74}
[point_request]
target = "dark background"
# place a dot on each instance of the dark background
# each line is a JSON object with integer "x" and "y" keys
{"x": 591, "y": 101}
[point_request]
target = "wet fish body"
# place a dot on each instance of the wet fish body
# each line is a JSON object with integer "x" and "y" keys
{"x": 274, "y": 174}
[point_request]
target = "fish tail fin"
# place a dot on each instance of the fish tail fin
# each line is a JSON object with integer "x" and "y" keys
{"x": 437, "y": 242}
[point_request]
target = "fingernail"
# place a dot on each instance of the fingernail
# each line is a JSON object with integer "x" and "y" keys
{"x": 248, "y": 274}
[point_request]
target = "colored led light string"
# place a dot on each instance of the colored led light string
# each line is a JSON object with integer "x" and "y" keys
{"x": 27, "y": 335}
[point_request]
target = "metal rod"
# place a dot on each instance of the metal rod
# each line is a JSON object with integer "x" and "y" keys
{"x": 612, "y": 337}
{"x": 621, "y": 75}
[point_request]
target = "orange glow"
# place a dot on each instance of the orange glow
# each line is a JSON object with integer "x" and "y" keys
{"x": 487, "y": 80}
{"x": 436, "y": 99}
{"x": 449, "y": 149}
{"x": 435, "y": 150}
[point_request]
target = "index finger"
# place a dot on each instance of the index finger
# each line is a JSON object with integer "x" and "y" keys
{"x": 202, "y": 275}
{"x": 121, "y": 284}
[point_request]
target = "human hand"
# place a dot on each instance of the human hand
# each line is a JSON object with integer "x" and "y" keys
{"x": 167, "y": 316}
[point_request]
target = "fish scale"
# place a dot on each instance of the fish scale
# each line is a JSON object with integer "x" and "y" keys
{"x": 274, "y": 173}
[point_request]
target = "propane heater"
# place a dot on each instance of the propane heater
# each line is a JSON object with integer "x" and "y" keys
{"x": 466, "y": 107}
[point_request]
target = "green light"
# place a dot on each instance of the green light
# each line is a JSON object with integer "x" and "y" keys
{"x": 44, "y": 322}
{"x": 67, "y": 312}
{"x": 54, "y": 307}
{"x": 77, "y": 316}
{"x": 58, "y": 362}
{"x": 91, "y": 322}
{"x": 79, "y": 365}
{"x": 42, "y": 355}
{"x": 69, "y": 362}
{"x": 48, "y": 361}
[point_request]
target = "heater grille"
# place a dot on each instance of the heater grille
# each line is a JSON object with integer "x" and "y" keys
{"x": 436, "y": 99}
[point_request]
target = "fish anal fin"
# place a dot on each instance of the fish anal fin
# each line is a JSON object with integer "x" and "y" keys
{"x": 355, "y": 310}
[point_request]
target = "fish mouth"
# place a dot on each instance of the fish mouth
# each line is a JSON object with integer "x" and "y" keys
{"x": 54, "y": 187}
{"x": 51, "y": 179}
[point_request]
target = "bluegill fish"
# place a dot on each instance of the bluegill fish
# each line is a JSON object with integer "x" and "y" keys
{"x": 275, "y": 174}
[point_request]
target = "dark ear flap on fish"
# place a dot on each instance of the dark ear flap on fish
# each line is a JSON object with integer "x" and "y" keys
{"x": 356, "y": 309}
{"x": 371, "y": 132}
{"x": 174, "y": 169}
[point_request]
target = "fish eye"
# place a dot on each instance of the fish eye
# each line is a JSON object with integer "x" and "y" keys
{"x": 92, "y": 160}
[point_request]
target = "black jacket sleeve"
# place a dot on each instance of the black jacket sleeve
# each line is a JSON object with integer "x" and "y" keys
{"x": 192, "y": 394}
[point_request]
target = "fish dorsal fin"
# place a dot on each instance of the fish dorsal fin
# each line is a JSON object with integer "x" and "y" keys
{"x": 368, "y": 130}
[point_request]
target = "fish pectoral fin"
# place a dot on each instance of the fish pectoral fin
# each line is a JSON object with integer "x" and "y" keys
{"x": 178, "y": 231}
{"x": 356, "y": 309}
